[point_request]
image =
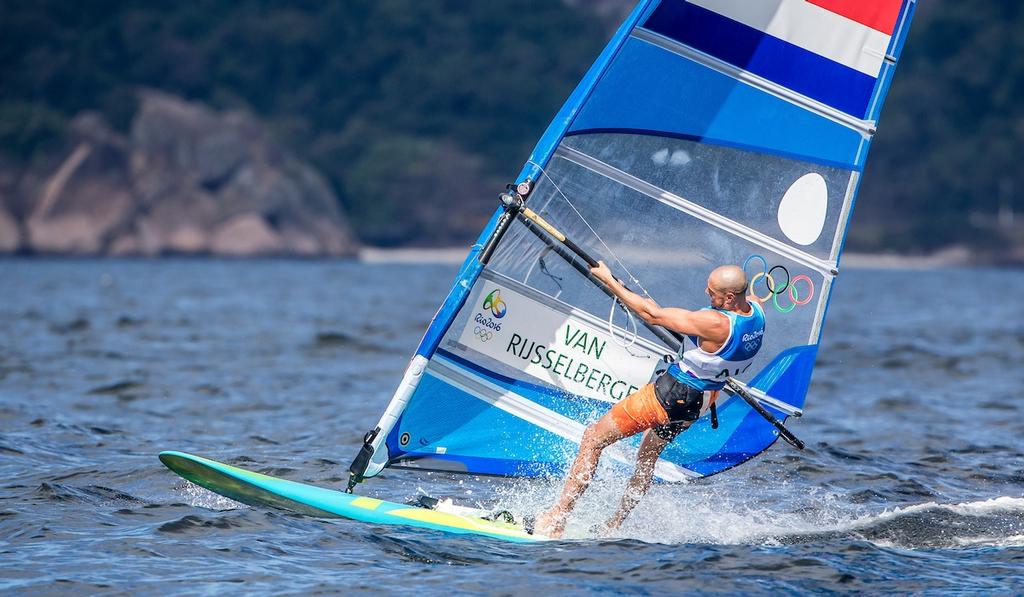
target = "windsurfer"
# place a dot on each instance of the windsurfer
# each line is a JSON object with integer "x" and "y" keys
{"x": 727, "y": 336}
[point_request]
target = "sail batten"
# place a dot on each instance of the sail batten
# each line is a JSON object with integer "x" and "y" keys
{"x": 689, "y": 207}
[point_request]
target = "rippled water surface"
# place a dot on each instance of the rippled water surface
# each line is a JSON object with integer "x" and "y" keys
{"x": 913, "y": 480}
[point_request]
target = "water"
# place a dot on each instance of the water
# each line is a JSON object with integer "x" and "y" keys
{"x": 912, "y": 482}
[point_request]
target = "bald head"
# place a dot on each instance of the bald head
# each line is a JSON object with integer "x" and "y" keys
{"x": 729, "y": 278}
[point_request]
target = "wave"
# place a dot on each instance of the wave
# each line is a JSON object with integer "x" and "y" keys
{"x": 95, "y": 495}
{"x": 996, "y": 522}
{"x": 704, "y": 515}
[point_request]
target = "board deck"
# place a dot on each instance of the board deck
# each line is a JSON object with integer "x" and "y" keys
{"x": 255, "y": 489}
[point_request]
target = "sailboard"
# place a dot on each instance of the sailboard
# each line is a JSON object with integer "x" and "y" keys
{"x": 707, "y": 132}
{"x": 255, "y": 489}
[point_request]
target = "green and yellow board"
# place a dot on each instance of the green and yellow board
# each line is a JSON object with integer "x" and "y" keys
{"x": 260, "y": 490}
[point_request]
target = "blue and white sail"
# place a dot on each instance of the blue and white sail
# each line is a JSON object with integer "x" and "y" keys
{"x": 707, "y": 132}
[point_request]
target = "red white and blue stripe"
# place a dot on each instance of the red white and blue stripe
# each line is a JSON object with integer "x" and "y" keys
{"x": 831, "y": 51}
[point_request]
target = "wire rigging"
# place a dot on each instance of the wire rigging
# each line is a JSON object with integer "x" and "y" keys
{"x": 631, "y": 320}
{"x": 609, "y": 250}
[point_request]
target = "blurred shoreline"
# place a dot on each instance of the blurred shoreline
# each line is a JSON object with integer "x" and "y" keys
{"x": 957, "y": 257}
{"x": 952, "y": 257}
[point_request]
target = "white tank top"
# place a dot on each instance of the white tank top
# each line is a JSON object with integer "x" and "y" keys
{"x": 708, "y": 370}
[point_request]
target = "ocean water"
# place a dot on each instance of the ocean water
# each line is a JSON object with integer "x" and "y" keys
{"x": 912, "y": 480}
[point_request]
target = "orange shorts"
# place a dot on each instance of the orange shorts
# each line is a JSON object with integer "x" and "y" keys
{"x": 638, "y": 412}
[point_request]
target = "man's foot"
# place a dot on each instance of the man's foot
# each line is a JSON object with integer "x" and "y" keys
{"x": 550, "y": 524}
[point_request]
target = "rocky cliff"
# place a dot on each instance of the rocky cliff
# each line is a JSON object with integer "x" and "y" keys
{"x": 184, "y": 180}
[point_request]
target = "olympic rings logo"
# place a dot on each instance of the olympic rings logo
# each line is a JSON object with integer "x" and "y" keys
{"x": 772, "y": 277}
{"x": 483, "y": 333}
{"x": 495, "y": 304}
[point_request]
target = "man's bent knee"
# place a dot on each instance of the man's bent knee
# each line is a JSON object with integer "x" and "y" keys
{"x": 591, "y": 437}
{"x": 601, "y": 434}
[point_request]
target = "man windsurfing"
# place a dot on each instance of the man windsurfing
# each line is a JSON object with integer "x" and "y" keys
{"x": 727, "y": 335}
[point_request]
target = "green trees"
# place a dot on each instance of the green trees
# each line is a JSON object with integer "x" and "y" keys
{"x": 945, "y": 163}
{"x": 407, "y": 105}
{"x": 377, "y": 94}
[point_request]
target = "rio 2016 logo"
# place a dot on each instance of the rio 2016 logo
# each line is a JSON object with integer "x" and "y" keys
{"x": 495, "y": 304}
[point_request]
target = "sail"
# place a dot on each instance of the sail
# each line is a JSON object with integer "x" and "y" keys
{"x": 707, "y": 132}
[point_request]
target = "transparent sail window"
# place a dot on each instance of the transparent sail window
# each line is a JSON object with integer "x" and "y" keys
{"x": 798, "y": 203}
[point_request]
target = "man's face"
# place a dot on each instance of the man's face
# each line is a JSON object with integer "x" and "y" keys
{"x": 717, "y": 296}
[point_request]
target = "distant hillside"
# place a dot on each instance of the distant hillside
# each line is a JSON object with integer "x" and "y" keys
{"x": 184, "y": 180}
{"x": 416, "y": 112}
{"x": 944, "y": 168}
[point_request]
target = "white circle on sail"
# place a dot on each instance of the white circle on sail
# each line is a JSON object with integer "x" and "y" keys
{"x": 802, "y": 209}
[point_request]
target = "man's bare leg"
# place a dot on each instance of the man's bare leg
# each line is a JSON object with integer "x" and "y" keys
{"x": 596, "y": 438}
{"x": 651, "y": 448}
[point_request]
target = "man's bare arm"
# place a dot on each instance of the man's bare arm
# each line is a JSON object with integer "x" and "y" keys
{"x": 709, "y": 325}
{"x": 706, "y": 324}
